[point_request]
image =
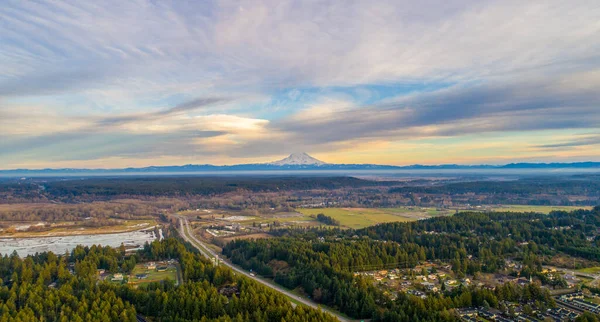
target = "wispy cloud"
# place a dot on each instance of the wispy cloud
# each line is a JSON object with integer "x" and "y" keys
{"x": 582, "y": 141}
{"x": 206, "y": 78}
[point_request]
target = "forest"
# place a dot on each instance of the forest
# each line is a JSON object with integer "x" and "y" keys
{"x": 286, "y": 193}
{"x": 327, "y": 220}
{"x": 321, "y": 261}
{"x": 51, "y": 287}
{"x": 105, "y": 187}
{"x": 530, "y": 190}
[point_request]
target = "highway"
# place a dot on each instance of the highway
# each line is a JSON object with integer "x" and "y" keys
{"x": 187, "y": 234}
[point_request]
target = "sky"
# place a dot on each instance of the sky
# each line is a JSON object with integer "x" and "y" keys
{"x": 111, "y": 84}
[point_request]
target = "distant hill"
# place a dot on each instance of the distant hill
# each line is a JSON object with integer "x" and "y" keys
{"x": 296, "y": 161}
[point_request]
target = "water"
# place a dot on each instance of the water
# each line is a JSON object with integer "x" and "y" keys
{"x": 59, "y": 245}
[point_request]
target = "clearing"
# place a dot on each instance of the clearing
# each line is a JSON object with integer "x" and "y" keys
{"x": 364, "y": 217}
{"x": 153, "y": 275}
{"x": 73, "y": 228}
{"x": 248, "y": 236}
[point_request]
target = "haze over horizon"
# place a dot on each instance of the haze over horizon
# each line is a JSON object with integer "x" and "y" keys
{"x": 140, "y": 83}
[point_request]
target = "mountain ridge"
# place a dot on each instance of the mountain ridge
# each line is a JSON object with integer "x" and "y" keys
{"x": 297, "y": 161}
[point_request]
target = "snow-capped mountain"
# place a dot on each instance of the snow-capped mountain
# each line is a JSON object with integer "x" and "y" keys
{"x": 299, "y": 159}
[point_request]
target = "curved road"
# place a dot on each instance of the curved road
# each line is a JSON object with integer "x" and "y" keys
{"x": 186, "y": 233}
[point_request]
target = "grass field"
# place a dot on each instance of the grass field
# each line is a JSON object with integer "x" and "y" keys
{"x": 364, "y": 217}
{"x": 419, "y": 212}
{"x": 590, "y": 270}
{"x": 153, "y": 275}
{"x": 538, "y": 209}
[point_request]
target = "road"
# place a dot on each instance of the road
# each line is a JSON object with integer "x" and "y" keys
{"x": 595, "y": 277}
{"x": 186, "y": 233}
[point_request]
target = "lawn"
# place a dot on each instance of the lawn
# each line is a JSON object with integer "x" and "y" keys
{"x": 153, "y": 275}
{"x": 361, "y": 217}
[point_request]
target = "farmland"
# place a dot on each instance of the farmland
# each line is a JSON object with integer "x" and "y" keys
{"x": 363, "y": 217}
{"x": 538, "y": 209}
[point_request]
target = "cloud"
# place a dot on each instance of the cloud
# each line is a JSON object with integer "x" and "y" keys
{"x": 51, "y": 82}
{"x": 262, "y": 45}
{"x": 150, "y": 72}
{"x": 519, "y": 101}
{"x": 187, "y": 106}
{"x": 586, "y": 140}
{"x": 194, "y": 104}
{"x": 532, "y": 104}
{"x": 87, "y": 145}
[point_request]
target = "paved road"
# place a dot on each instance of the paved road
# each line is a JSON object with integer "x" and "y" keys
{"x": 187, "y": 234}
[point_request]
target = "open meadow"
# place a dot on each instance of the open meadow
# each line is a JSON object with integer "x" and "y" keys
{"x": 538, "y": 209}
{"x": 363, "y": 217}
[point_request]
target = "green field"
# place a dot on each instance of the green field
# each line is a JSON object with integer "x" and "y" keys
{"x": 153, "y": 275}
{"x": 538, "y": 209}
{"x": 419, "y": 212}
{"x": 590, "y": 270}
{"x": 364, "y": 217}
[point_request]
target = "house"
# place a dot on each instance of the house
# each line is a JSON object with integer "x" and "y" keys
{"x": 117, "y": 277}
{"x": 141, "y": 276}
{"x": 524, "y": 281}
{"x": 450, "y": 282}
{"x": 151, "y": 265}
{"x": 430, "y": 287}
{"x": 161, "y": 268}
{"x": 465, "y": 282}
{"x": 489, "y": 287}
{"x": 572, "y": 296}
